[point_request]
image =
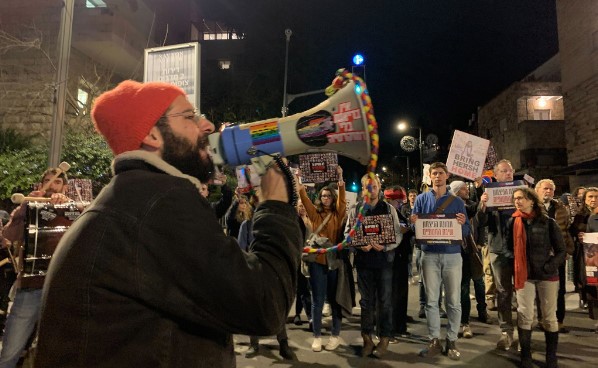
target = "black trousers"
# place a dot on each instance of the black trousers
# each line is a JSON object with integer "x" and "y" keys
{"x": 400, "y": 292}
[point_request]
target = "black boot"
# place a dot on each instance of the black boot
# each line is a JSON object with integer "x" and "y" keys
{"x": 552, "y": 341}
{"x": 525, "y": 341}
{"x": 285, "y": 351}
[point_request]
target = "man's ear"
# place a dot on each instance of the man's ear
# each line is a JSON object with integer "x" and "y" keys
{"x": 153, "y": 140}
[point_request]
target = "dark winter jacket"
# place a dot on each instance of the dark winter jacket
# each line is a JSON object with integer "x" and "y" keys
{"x": 545, "y": 247}
{"x": 147, "y": 278}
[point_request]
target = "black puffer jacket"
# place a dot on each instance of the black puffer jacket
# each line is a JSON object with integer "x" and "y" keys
{"x": 147, "y": 278}
{"x": 545, "y": 247}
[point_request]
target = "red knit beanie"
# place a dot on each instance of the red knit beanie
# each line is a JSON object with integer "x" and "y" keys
{"x": 125, "y": 115}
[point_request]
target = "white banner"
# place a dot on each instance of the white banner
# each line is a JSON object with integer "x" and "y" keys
{"x": 438, "y": 229}
{"x": 500, "y": 194}
{"x": 467, "y": 155}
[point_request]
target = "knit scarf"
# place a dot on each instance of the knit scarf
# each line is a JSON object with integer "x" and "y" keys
{"x": 519, "y": 245}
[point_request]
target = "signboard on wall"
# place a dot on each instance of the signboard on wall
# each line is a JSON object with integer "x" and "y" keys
{"x": 175, "y": 64}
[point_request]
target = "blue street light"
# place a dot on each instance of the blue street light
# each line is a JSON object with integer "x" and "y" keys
{"x": 358, "y": 59}
{"x": 354, "y": 187}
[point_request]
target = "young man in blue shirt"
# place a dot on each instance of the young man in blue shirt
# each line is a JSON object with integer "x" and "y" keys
{"x": 441, "y": 263}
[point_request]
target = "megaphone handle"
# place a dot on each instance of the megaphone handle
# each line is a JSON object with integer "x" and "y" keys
{"x": 289, "y": 178}
{"x": 261, "y": 164}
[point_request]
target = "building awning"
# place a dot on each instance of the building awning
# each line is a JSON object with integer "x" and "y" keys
{"x": 582, "y": 168}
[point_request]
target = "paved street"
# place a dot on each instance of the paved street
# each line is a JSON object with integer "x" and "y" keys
{"x": 576, "y": 349}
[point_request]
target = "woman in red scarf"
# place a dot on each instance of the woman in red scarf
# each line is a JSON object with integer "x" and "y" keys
{"x": 539, "y": 250}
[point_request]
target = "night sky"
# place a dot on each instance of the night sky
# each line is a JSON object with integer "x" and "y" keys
{"x": 430, "y": 62}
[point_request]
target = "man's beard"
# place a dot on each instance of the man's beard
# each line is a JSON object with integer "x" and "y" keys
{"x": 185, "y": 156}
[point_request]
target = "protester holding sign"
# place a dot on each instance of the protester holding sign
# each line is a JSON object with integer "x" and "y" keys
{"x": 501, "y": 258}
{"x": 441, "y": 263}
{"x": 374, "y": 263}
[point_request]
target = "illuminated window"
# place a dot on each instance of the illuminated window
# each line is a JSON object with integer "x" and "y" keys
{"x": 540, "y": 114}
{"x": 82, "y": 96}
{"x": 95, "y": 4}
{"x": 224, "y": 64}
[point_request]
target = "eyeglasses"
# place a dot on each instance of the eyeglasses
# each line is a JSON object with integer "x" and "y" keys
{"x": 191, "y": 115}
{"x": 325, "y": 196}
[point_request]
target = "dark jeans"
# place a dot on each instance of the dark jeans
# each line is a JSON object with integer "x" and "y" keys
{"x": 372, "y": 282}
{"x": 479, "y": 290}
{"x": 303, "y": 296}
{"x": 400, "y": 293}
{"x": 502, "y": 267}
{"x": 323, "y": 284}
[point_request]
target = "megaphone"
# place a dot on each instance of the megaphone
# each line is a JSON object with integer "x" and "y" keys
{"x": 338, "y": 124}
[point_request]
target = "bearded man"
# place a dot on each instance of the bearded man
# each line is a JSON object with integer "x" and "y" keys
{"x": 146, "y": 277}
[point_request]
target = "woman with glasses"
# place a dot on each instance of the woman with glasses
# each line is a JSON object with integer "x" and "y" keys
{"x": 329, "y": 208}
{"x": 539, "y": 250}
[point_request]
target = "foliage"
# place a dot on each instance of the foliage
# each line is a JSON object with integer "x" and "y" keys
{"x": 89, "y": 156}
{"x": 83, "y": 149}
{"x": 20, "y": 169}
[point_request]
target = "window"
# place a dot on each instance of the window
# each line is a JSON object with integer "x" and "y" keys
{"x": 82, "y": 96}
{"x": 540, "y": 114}
{"x": 95, "y": 4}
{"x": 224, "y": 64}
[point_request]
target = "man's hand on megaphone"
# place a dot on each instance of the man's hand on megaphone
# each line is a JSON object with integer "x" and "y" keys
{"x": 274, "y": 187}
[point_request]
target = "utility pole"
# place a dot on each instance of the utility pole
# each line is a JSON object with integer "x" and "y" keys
{"x": 60, "y": 85}
{"x": 285, "y": 108}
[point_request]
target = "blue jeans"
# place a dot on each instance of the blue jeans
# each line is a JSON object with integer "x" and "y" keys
{"x": 20, "y": 323}
{"x": 442, "y": 268}
{"x": 323, "y": 283}
{"x": 374, "y": 282}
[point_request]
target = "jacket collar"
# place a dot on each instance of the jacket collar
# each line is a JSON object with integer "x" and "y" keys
{"x": 155, "y": 161}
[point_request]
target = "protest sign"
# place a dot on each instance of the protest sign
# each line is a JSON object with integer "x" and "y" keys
{"x": 467, "y": 155}
{"x": 318, "y": 167}
{"x": 438, "y": 229}
{"x": 590, "y": 250}
{"x": 500, "y": 194}
{"x": 350, "y": 199}
{"x": 375, "y": 229}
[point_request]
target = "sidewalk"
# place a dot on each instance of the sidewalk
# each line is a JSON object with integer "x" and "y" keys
{"x": 577, "y": 349}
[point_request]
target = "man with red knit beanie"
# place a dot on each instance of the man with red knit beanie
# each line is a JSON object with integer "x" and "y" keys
{"x": 146, "y": 277}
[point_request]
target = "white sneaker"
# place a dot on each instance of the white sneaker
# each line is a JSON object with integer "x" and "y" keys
{"x": 317, "y": 344}
{"x": 333, "y": 343}
{"x": 326, "y": 312}
{"x": 467, "y": 333}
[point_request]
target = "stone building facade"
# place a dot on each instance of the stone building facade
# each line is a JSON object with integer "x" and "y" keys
{"x": 108, "y": 42}
{"x": 578, "y": 43}
{"x": 526, "y": 124}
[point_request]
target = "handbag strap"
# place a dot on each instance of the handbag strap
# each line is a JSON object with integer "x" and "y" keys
{"x": 445, "y": 204}
{"x": 322, "y": 224}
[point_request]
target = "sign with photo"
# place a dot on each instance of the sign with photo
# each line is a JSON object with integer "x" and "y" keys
{"x": 435, "y": 229}
{"x": 318, "y": 167}
{"x": 500, "y": 194}
{"x": 467, "y": 155}
{"x": 590, "y": 250}
{"x": 375, "y": 229}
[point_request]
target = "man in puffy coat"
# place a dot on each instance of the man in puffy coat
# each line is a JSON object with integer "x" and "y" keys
{"x": 146, "y": 277}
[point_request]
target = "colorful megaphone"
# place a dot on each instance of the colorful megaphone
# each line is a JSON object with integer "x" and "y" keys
{"x": 338, "y": 124}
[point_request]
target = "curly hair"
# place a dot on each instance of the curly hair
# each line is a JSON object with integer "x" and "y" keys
{"x": 245, "y": 214}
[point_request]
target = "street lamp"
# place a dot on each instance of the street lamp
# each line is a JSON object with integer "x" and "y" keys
{"x": 285, "y": 108}
{"x": 402, "y": 126}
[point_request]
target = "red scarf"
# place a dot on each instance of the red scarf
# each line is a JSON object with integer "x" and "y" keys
{"x": 519, "y": 245}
